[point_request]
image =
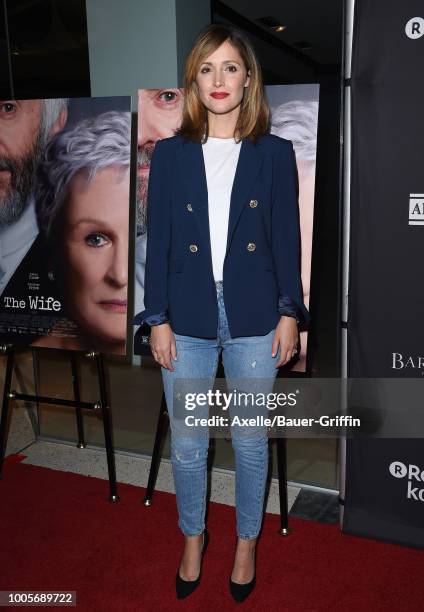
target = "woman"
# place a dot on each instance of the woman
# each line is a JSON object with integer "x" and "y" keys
{"x": 83, "y": 210}
{"x": 222, "y": 225}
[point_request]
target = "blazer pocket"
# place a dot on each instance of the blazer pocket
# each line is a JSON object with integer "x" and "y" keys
{"x": 176, "y": 264}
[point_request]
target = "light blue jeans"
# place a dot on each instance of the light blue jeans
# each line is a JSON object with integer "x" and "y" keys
{"x": 243, "y": 358}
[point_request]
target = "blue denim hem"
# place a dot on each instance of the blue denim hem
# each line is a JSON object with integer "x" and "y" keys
{"x": 191, "y": 535}
{"x": 247, "y": 537}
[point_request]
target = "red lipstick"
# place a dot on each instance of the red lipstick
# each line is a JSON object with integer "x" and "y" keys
{"x": 219, "y": 95}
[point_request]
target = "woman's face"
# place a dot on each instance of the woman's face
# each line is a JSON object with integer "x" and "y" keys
{"x": 96, "y": 255}
{"x": 221, "y": 79}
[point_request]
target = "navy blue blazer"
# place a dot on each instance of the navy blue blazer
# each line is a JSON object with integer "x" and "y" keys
{"x": 261, "y": 274}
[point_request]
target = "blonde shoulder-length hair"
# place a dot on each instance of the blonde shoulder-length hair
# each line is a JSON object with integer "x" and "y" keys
{"x": 253, "y": 119}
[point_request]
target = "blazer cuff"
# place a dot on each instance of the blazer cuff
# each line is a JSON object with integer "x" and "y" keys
{"x": 150, "y": 319}
{"x": 289, "y": 308}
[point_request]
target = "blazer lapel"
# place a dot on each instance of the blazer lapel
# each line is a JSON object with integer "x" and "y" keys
{"x": 248, "y": 166}
{"x": 192, "y": 171}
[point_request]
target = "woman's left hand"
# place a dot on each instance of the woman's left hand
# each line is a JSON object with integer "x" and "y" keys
{"x": 287, "y": 337}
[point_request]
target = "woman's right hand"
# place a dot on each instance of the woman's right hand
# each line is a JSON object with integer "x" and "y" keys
{"x": 163, "y": 346}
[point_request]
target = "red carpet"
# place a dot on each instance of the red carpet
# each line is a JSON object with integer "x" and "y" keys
{"x": 59, "y": 532}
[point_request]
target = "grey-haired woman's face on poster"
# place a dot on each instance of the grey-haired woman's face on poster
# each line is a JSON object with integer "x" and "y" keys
{"x": 95, "y": 256}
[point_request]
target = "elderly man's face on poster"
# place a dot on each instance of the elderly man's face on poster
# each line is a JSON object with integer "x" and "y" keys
{"x": 159, "y": 115}
{"x": 20, "y": 149}
{"x": 24, "y": 132}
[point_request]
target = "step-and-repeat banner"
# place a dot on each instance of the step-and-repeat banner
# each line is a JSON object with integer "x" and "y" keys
{"x": 385, "y": 477}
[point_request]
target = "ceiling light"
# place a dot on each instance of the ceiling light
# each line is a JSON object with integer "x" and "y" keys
{"x": 271, "y": 23}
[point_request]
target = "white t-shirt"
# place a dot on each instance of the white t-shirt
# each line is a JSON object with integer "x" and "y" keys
{"x": 220, "y": 156}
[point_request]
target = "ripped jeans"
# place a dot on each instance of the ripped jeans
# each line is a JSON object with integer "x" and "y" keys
{"x": 243, "y": 358}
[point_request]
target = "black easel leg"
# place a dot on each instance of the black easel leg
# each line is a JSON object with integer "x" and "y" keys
{"x": 5, "y": 406}
{"x": 107, "y": 429}
{"x": 282, "y": 485}
{"x": 161, "y": 429}
{"x": 78, "y": 412}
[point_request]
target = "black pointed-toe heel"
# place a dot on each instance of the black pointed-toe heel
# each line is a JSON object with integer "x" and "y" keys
{"x": 241, "y": 591}
{"x": 183, "y": 587}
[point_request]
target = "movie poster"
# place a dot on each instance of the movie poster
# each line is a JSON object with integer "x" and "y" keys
{"x": 64, "y": 223}
{"x": 294, "y": 116}
{"x": 159, "y": 115}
